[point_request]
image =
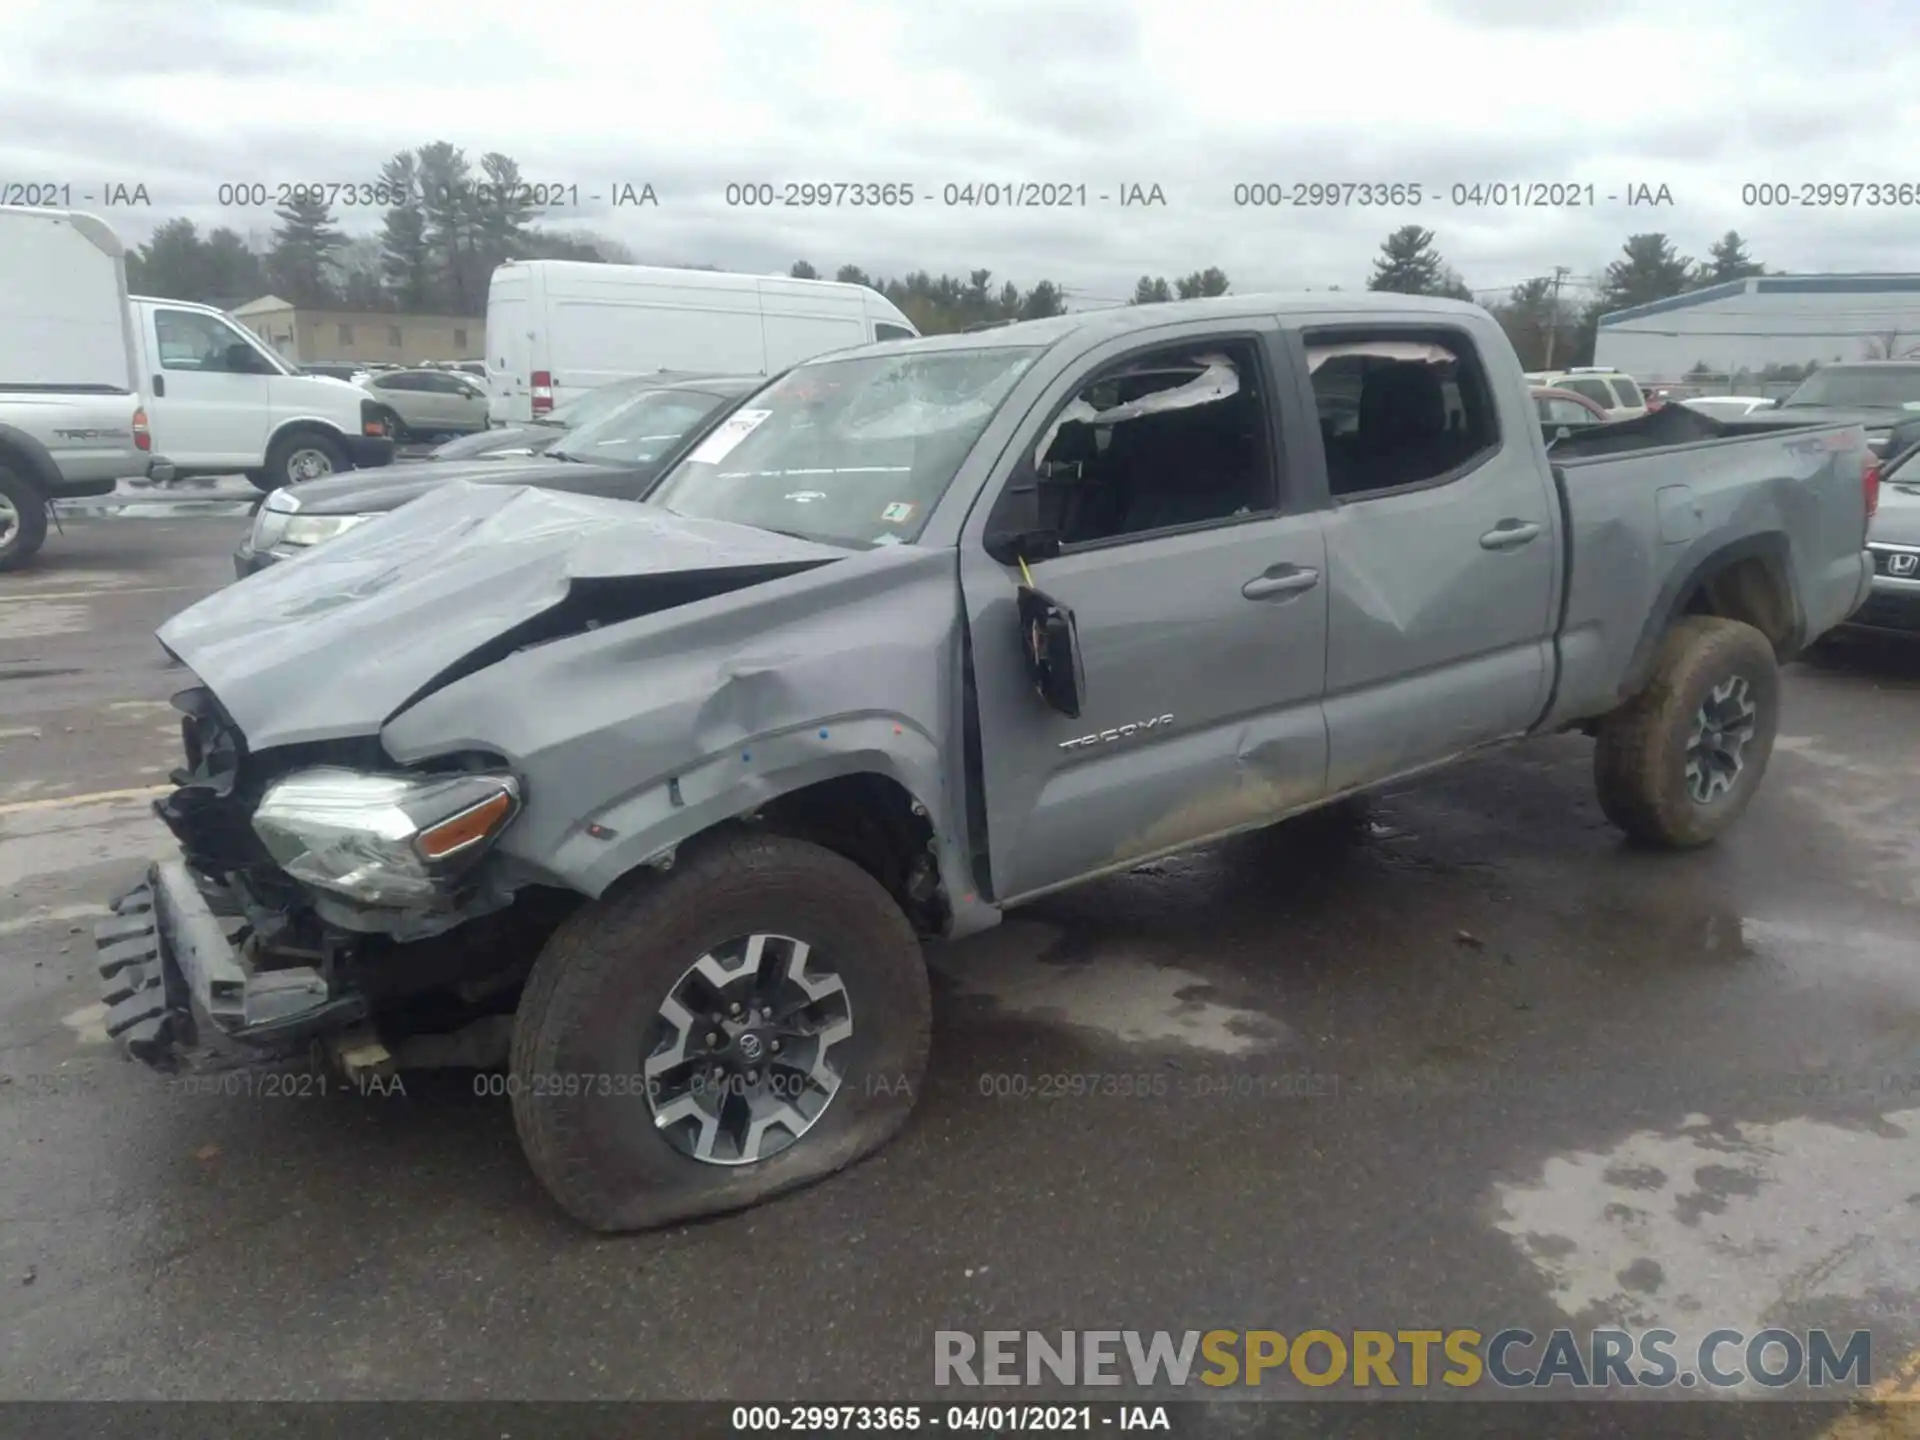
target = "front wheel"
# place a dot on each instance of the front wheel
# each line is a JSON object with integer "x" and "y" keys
{"x": 1677, "y": 764}
{"x": 23, "y": 520}
{"x": 303, "y": 455}
{"x": 755, "y": 1019}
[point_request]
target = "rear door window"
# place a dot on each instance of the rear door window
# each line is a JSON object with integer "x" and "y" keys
{"x": 1629, "y": 393}
{"x": 1398, "y": 410}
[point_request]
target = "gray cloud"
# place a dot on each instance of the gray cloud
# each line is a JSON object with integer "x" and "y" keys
{"x": 693, "y": 97}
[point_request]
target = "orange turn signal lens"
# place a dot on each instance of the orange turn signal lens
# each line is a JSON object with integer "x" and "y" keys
{"x": 469, "y": 827}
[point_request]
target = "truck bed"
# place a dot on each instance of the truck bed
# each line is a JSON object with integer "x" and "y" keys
{"x": 1651, "y": 504}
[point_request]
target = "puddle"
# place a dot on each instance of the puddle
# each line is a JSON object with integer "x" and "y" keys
{"x": 31, "y": 619}
{"x": 1722, "y": 1224}
{"x": 1131, "y": 998}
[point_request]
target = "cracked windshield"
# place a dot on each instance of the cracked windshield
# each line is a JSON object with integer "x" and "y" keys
{"x": 847, "y": 452}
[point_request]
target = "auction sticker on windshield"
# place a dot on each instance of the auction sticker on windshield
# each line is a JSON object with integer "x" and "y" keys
{"x": 897, "y": 514}
{"x": 717, "y": 446}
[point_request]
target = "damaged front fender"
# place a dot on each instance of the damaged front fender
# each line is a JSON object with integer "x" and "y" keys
{"x": 633, "y": 737}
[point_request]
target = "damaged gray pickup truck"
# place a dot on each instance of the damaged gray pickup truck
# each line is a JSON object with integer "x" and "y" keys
{"x": 654, "y": 803}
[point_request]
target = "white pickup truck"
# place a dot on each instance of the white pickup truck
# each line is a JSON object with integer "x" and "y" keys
{"x": 223, "y": 403}
{"x": 71, "y": 420}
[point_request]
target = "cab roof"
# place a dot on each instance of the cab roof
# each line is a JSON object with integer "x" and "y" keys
{"x": 1124, "y": 319}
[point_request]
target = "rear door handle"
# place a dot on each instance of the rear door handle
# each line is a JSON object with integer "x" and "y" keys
{"x": 1280, "y": 581}
{"x": 159, "y": 386}
{"x": 1509, "y": 535}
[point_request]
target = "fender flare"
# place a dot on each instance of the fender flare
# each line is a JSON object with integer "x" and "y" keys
{"x": 34, "y": 460}
{"x": 1707, "y": 556}
{"x": 302, "y": 422}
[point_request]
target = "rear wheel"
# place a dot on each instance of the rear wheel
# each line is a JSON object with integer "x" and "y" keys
{"x": 23, "y": 520}
{"x": 1679, "y": 762}
{"x": 752, "y": 1021}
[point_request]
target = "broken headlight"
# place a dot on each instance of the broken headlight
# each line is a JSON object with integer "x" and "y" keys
{"x": 383, "y": 839}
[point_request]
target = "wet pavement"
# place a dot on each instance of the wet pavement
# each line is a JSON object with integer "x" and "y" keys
{"x": 1464, "y": 1060}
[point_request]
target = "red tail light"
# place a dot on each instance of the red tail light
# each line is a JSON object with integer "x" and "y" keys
{"x": 542, "y": 392}
{"x": 142, "y": 436}
{"x": 1870, "y": 487}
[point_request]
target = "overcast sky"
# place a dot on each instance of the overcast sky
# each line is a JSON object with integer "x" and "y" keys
{"x": 1195, "y": 97}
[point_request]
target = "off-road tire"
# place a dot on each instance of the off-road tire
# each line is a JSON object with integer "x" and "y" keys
{"x": 275, "y": 476}
{"x": 31, "y": 532}
{"x": 1639, "y": 760}
{"x": 601, "y": 978}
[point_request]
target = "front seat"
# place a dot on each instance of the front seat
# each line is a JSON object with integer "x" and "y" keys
{"x": 1402, "y": 436}
{"x": 1189, "y": 468}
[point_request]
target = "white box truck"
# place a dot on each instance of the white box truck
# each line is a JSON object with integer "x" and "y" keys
{"x": 558, "y": 328}
{"x": 71, "y": 420}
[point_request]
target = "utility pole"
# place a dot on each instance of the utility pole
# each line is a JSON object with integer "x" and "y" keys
{"x": 1553, "y": 312}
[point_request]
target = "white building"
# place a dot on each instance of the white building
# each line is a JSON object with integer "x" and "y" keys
{"x": 1767, "y": 320}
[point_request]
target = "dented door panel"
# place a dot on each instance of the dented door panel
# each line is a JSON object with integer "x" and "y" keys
{"x": 1438, "y": 641}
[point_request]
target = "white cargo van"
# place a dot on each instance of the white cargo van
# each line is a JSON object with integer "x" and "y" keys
{"x": 71, "y": 423}
{"x": 221, "y": 403}
{"x": 558, "y": 328}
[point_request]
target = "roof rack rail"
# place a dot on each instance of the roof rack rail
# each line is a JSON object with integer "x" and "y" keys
{"x": 987, "y": 325}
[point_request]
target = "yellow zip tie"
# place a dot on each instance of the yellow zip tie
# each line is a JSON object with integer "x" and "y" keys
{"x": 1025, "y": 574}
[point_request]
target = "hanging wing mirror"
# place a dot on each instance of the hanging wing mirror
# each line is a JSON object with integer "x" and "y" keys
{"x": 1051, "y": 643}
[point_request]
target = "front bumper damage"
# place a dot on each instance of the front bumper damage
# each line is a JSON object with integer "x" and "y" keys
{"x": 180, "y": 989}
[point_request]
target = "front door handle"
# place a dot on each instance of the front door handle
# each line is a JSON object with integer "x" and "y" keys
{"x": 1280, "y": 581}
{"x": 1509, "y": 535}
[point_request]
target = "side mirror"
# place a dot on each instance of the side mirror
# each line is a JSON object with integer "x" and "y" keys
{"x": 1051, "y": 642}
{"x": 241, "y": 360}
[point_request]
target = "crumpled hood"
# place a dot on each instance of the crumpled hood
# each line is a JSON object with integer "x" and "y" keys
{"x": 334, "y": 643}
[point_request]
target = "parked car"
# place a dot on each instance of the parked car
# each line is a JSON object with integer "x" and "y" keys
{"x": 1882, "y": 395}
{"x": 71, "y": 418}
{"x": 1894, "y": 542}
{"x": 1612, "y": 390}
{"x": 558, "y": 327}
{"x": 656, "y": 801}
{"x": 537, "y": 436}
{"x": 222, "y": 403}
{"x": 353, "y": 372}
{"x": 430, "y": 402}
{"x": 1727, "y": 407}
{"x": 1563, "y": 413}
{"x": 616, "y": 455}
